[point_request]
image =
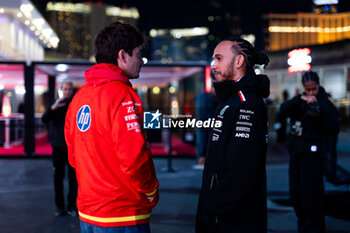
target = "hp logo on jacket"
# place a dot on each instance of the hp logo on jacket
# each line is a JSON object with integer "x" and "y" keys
{"x": 84, "y": 118}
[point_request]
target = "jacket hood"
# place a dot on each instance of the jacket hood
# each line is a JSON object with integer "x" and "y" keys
{"x": 105, "y": 72}
{"x": 249, "y": 83}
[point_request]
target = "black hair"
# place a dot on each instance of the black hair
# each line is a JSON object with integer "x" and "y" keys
{"x": 310, "y": 76}
{"x": 113, "y": 38}
{"x": 252, "y": 58}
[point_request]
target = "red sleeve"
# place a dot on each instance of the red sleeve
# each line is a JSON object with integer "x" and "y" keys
{"x": 131, "y": 146}
{"x": 69, "y": 136}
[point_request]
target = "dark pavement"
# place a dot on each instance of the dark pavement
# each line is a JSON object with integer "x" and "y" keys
{"x": 27, "y": 198}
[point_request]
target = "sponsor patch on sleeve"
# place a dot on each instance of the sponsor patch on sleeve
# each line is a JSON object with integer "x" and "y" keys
{"x": 242, "y": 135}
{"x": 243, "y": 129}
{"x": 133, "y": 126}
{"x": 131, "y": 116}
{"x": 244, "y": 123}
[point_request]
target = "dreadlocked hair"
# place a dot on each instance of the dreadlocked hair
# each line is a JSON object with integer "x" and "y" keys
{"x": 310, "y": 76}
{"x": 251, "y": 57}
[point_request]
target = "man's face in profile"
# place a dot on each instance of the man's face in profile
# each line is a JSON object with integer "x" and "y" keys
{"x": 223, "y": 61}
{"x": 133, "y": 63}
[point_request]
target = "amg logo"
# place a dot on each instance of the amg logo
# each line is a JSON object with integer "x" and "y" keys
{"x": 242, "y": 135}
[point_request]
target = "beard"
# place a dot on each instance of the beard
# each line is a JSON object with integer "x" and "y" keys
{"x": 135, "y": 74}
{"x": 228, "y": 73}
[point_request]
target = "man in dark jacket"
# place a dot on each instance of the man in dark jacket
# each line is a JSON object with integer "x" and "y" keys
{"x": 314, "y": 119}
{"x": 56, "y": 114}
{"x": 233, "y": 194}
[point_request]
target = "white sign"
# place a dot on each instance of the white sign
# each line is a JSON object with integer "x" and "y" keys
{"x": 325, "y": 2}
{"x": 299, "y": 60}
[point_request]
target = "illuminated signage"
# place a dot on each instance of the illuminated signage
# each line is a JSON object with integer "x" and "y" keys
{"x": 180, "y": 32}
{"x": 68, "y": 7}
{"x": 299, "y": 60}
{"x": 207, "y": 79}
{"x": 325, "y": 2}
{"x": 289, "y": 29}
{"x": 127, "y": 13}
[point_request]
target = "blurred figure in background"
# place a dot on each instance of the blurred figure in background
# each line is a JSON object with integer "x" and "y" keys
{"x": 55, "y": 114}
{"x": 331, "y": 157}
{"x": 205, "y": 109}
{"x": 313, "y": 119}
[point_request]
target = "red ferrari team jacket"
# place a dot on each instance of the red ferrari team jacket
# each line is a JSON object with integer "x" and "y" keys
{"x": 108, "y": 148}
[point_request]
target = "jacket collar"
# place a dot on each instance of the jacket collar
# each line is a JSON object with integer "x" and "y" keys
{"x": 105, "y": 72}
{"x": 249, "y": 83}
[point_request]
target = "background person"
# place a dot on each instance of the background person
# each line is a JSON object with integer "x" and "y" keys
{"x": 205, "y": 109}
{"x": 233, "y": 193}
{"x": 107, "y": 145}
{"x": 314, "y": 119}
{"x": 56, "y": 114}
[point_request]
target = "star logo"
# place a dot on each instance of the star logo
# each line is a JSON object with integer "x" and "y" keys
{"x": 156, "y": 115}
{"x": 151, "y": 120}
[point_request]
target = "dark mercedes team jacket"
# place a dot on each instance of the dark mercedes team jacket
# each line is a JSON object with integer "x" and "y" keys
{"x": 233, "y": 193}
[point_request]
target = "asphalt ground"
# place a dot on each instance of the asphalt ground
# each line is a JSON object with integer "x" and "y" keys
{"x": 27, "y": 197}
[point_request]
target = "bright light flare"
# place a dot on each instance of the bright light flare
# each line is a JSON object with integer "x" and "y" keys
{"x": 6, "y": 106}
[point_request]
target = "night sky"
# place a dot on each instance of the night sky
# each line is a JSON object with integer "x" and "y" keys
{"x": 192, "y": 13}
{"x": 182, "y": 13}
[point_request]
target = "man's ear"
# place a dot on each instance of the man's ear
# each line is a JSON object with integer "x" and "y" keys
{"x": 121, "y": 56}
{"x": 239, "y": 61}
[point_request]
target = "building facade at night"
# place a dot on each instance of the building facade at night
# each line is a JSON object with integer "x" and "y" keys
{"x": 24, "y": 32}
{"x": 286, "y": 31}
{"x": 192, "y": 38}
{"x": 185, "y": 44}
{"x": 77, "y": 24}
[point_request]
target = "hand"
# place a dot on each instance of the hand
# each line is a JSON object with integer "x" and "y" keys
{"x": 154, "y": 197}
{"x": 201, "y": 161}
{"x": 58, "y": 104}
{"x": 150, "y": 199}
{"x": 309, "y": 99}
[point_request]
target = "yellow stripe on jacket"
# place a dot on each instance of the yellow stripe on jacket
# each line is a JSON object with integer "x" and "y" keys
{"x": 115, "y": 219}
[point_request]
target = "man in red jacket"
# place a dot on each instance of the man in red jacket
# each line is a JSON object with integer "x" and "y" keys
{"x": 106, "y": 143}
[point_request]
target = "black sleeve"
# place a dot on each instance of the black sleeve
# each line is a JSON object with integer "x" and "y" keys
{"x": 244, "y": 159}
{"x": 330, "y": 118}
{"x": 47, "y": 115}
{"x": 288, "y": 108}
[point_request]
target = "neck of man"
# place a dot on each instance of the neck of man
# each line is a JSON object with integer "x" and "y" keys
{"x": 238, "y": 75}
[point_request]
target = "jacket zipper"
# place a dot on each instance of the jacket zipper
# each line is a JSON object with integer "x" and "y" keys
{"x": 213, "y": 181}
